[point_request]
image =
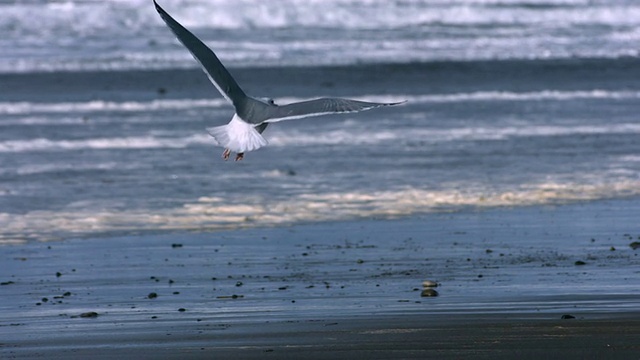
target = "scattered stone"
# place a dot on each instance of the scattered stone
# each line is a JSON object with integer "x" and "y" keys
{"x": 635, "y": 245}
{"x": 428, "y": 293}
{"x": 176, "y": 245}
{"x": 567, "y": 317}
{"x": 429, "y": 284}
{"x": 182, "y": 309}
{"x": 90, "y": 314}
{"x": 612, "y": 249}
{"x": 360, "y": 261}
{"x": 580, "y": 263}
{"x": 7, "y": 283}
{"x": 152, "y": 295}
{"x": 234, "y": 296}
{"x": 58, "y": 274}
{"x": 239, "y": 283}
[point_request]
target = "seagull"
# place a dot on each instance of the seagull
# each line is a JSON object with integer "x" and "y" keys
{"x": 252, "y": 115}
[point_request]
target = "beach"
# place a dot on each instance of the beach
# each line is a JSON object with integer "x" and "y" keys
{"x": 492, "y": 213}
{"x": 338, "y": 289}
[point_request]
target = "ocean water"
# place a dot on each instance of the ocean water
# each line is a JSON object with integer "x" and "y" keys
{"x": 561, "y": 126}
{"x": 125, "y": 34}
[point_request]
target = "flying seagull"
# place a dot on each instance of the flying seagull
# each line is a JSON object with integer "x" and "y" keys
{"x": 252, "y": 116}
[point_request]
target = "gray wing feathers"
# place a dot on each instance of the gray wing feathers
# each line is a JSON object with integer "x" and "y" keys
{"x": 320, "y": 107}
{"x": 216, "y": 72}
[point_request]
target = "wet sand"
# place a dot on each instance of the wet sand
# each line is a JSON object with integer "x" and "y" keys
{"x": 530, "y": 282}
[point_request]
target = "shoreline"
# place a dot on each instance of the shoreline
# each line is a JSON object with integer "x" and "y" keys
{"x": 506, "y": 276}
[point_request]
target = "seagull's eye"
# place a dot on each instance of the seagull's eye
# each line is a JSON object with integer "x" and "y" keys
{"x": 272, "y": 102}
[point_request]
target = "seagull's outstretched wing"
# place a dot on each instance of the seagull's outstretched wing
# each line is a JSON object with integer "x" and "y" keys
{"x": 321, "y": 106}
{"x": 216, "y": 72}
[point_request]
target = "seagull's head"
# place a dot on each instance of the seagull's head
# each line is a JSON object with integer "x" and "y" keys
{"x": 269, "y": 101}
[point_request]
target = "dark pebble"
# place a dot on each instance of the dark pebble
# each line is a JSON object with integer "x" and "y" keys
{"x": 635, "y": 245}
{"x": 428, "y": 293}
{"x": 152, "y": 295}
{"x": 7, "y": 283}
{"x": 58, "y": 274}
{"x": 580, "y": 263}
{"x": 176, "y": 245}
{"x": 567, "y": 317}
{"x": 90, "y": 314}
{"x": 239, "y": 283}
{"x": 182, "y": 309}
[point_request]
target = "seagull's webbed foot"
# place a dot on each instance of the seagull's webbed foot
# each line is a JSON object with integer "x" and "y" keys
{"x": 239, "y": 156}
{"x": 225, "y": 154}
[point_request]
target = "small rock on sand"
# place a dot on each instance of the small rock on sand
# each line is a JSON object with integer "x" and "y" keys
{"x": 90, "y": 314}
{"x": 428, "y": 293}
{"x": 429, "y": 284}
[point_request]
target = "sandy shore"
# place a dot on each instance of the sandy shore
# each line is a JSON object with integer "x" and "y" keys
{"x": 332, "y": 290}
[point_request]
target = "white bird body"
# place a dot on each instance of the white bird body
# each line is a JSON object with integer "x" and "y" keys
{"x": 238, "y": 136}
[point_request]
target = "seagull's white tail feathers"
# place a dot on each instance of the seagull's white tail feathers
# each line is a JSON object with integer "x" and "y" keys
{"x": 238, "y": 136}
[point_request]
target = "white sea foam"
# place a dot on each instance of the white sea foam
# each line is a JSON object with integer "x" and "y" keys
{"x": 26, "y": 107}
{"x": 284, "y": 137}
{"x": 139, "y": 142}
{"x": 212, "y": 213}
{"x": 351, "y": 136}
{"x": 97, "y": 106}
{"x": 30, "y": 169}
